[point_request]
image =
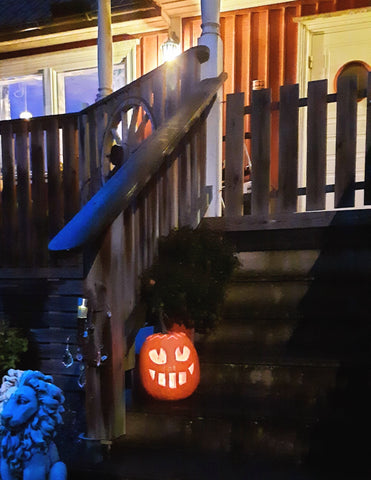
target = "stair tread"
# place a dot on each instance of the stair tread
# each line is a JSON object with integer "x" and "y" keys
{"x": 153, "y": 463}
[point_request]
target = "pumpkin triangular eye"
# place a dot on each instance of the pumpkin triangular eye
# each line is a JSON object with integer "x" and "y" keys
{"x": 182, "y": 356}
{"x": 158, "y": 357}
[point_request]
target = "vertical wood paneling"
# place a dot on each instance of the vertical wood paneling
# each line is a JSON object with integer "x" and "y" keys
{"x": 346, "y": 140}
{"x": 288, "y": 148}
{"x": 259, "y": 45}
{"x": 234, "y": 147}
{"x": 227, "y": 31}
{"x": 291, "y": 45}
{"x": 368, "y": 146}
{"x": 308, "y": 9}
{"x": 316, "y": 145}
{"x": 260, "y": 149}
{"x": 326, "y": 6}
{"x": 276, "y": 50}
{"x": 150, "y": 49}
{"x": 242, "y": 54}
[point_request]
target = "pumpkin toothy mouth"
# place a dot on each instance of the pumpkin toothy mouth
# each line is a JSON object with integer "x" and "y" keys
{"x": 170, "y": 379}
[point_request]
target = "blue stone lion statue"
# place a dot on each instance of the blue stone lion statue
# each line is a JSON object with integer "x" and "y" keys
{"x": 31, "y": 407}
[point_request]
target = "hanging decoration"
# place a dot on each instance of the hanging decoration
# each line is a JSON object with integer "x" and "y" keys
{"x": 67, "y": 356}
{"x": 169, "y": 367}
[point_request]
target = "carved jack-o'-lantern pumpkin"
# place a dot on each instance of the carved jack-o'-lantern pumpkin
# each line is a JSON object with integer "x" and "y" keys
{"x": 168, "y": 366}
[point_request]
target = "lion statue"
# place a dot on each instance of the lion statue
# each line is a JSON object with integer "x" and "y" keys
{"x": 29, "y": 418}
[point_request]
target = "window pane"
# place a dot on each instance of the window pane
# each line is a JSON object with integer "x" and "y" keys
{"x": 20, "y": 96}
{"x": 80, "y": 89}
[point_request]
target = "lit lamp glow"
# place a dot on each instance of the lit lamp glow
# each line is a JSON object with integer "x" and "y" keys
{"x": 170, "y": 49}
{"x": 25, "y": 115}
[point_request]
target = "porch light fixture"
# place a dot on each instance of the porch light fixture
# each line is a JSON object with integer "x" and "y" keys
{"x": 171, "y": 48}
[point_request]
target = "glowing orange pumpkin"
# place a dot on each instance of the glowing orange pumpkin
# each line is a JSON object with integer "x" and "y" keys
{"x": 168, "y": 366}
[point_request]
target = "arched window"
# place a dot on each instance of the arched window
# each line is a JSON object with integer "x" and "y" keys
{"x": 355, "y": 68}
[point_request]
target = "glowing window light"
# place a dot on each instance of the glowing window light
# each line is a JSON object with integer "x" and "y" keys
{"x": 25, "y": 115}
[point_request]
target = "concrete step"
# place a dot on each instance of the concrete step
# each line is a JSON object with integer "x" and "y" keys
{"x": 344, "y": 262}
{"x": 324, "y": 298}
{"x": 155, "y": 463}
{"x": 258, "y": 437}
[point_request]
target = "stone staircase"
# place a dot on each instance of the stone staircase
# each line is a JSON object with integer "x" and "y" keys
{"x": 285, "y": 381}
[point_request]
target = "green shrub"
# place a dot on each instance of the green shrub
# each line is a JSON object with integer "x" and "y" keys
{"x": 12, "y": 345}
{"x": 186, "y": 284}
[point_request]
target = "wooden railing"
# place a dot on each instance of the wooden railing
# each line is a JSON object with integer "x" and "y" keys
{"x": 304, "y": 163}
{"x": 53, "y": 165}
{"x": 39, "y": 185}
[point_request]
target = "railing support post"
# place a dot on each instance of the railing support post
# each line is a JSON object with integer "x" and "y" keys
{"x": 210, "y": 37}
{"x": 105, "y": 67}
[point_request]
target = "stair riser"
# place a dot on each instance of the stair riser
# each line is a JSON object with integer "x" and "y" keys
{"x": 251, "y": 438}
{"x": 305, "y": 263}
{"x": 266, "y": 380}
{"x": 297, "y": 299}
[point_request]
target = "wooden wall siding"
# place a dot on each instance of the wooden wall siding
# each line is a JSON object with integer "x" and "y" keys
{"x": 261, "y": 44}
{"x": 39, "y": 187}
{"x": 288, "y": 193}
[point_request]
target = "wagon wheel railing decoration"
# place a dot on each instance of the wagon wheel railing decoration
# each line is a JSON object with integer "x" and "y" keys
{"x": 132, "y": 123}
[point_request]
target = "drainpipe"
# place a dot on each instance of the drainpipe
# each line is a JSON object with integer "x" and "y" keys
{"x": 210, "y": 36}
{"x": 104, "y": 49}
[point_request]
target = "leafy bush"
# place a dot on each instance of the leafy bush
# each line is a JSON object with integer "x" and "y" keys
{"x": 12, "y": 345}
{"x": 187, "y": 282}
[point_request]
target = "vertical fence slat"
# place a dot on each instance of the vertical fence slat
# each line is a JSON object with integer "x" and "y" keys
{"x": 260, "y": 151}
{"x": 9, "y": 200}
{"x": 346, "y": 141}
{"x": 316, "y": 145}
{"x": 171, "y": 88}
{"x": 368, "y": 146}
{"x": 55, "y": 198}
{"x": 95, "y": 172}
{"x": 39, "y": 194}
{"x": 70, "y": 169}
{"x": 233, "y": 187}
{"x": 288, "y": 148}
{"x": 184, "y": 187}
{"x": 23, "y": 192}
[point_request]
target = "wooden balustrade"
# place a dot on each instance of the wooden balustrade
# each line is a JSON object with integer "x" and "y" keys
{"x": 53, "y": 165}
{"x": 39, "y": 186}
{"x": 302, "y": 140}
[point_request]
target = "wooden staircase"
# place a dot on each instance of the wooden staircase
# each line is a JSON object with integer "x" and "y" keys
{"x": 285, "y": 380}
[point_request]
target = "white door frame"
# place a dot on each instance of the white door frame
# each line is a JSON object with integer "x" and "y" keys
{"x": 310, "y": 26}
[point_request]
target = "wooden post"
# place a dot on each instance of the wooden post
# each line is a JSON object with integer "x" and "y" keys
{"x": 105, "y": 67}
{"x": 316, "y": 145}
{"x": 288, "y": 148}
{"x": 346, "y": 141}
{"x": 210, "y": 37}
{"x": 234, "y": 146}
{"x": 260, "y": 150}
